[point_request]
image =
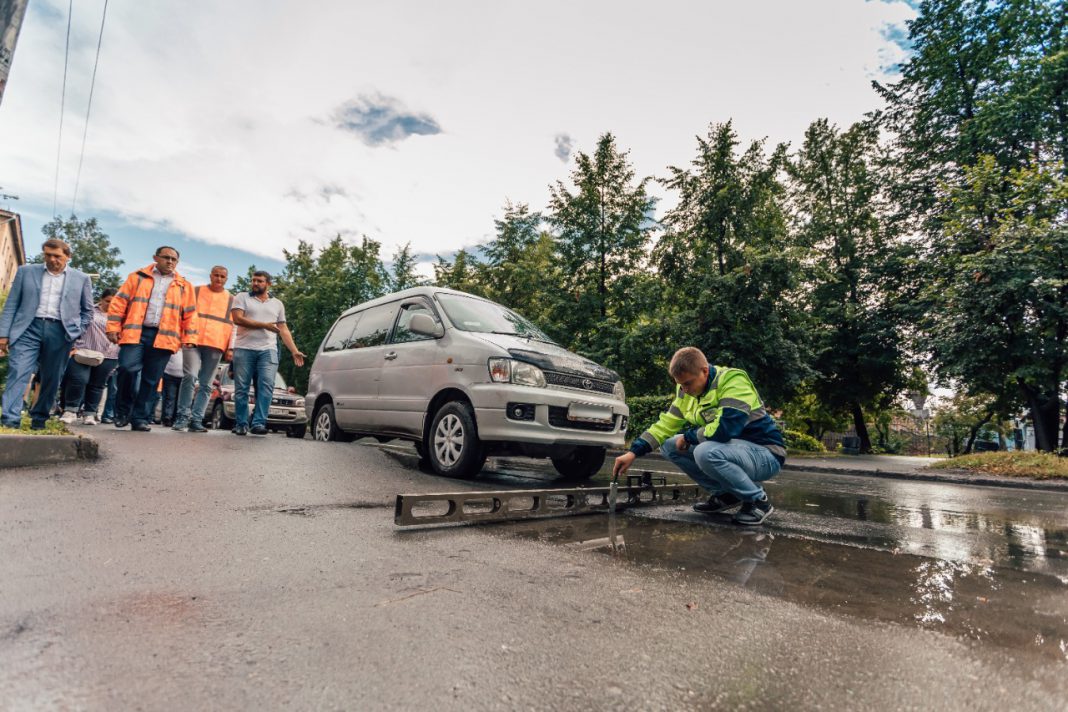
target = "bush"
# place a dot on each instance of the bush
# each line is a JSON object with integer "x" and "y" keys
{"x": 802, "y": 441}
{"x": 644, "y": 410}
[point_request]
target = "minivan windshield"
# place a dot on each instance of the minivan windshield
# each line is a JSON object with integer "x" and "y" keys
{"x": 470, "y": 314}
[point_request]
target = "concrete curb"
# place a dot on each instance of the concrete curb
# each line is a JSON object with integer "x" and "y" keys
{"x": 955, "y": 477}
{"x": 35, "y": 450}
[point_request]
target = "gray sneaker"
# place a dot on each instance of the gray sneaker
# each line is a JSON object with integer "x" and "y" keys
{"x": 753, "y": 512}
{"x": 197, "y": 428}
{"x": 180, "y": 425}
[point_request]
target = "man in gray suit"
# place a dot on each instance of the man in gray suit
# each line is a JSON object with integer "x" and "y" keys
{"x": 48, "y": 307}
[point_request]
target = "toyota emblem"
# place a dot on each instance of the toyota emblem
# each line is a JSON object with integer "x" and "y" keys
{"x": 587, "y": 384}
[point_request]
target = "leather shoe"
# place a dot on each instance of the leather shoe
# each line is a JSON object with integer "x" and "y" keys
{"x": 239, "y": 430}
{"x": 121, "y": 422}
{"x": 141, "y": 427}
{"x": 197, "y": 428}
{"x": 258, "y": 430}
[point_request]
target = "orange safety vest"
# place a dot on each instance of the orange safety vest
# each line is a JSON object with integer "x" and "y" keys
{"x": 177, "y": 323}
{"x": 214, "y": 325}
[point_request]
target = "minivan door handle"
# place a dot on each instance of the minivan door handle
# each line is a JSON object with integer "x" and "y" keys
{"x": 391, "y": 355}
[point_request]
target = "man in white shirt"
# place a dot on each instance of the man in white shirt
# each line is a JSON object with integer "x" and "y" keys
{"x": 260, "y": 320}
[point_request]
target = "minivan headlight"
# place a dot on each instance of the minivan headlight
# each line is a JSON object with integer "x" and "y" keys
{"x": 506, "y": 370}
{"x": 618, "y": 392}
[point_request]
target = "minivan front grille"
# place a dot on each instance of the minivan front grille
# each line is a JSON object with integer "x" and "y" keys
{"x": 558, "y": 419}
{"x": 566, "y": 380}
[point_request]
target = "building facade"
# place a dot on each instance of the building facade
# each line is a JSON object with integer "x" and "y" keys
{"x": 12, "y": 248}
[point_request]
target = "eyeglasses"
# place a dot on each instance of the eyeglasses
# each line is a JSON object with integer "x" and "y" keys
{"x": 167, "y": 257}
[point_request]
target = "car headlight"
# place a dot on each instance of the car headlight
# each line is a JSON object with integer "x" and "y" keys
{"x": 506, "y": 370}
{"x": 299, "y": 403}
{"x": 618, "y": 392}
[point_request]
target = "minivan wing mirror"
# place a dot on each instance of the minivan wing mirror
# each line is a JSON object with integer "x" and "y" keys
{"x": 424, "y": 325}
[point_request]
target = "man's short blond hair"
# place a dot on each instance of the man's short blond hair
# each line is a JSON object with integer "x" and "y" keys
{"x": 687, "y": 360}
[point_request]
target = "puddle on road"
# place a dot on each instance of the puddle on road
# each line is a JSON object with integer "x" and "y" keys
{"x": 992, "y": 605}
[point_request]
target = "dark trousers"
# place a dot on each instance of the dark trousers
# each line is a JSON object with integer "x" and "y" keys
{"x": 43, "y": 347}
{"x": 113, "y": 390}
{"x": 85, "y": 385}
{"x": 140, "y": 368}
{"x": 171, "y": 384}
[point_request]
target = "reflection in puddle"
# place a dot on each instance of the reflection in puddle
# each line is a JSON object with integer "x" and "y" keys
{"x": 979, "y": 601}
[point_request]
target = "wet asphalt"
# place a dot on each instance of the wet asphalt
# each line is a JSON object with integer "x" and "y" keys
{"x": 216, "y": 572}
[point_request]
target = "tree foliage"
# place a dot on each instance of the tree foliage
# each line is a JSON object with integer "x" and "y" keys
{"x": 851, "y": 272}
{"x": 91, "y": 249}
{"x": 729, "y": 275}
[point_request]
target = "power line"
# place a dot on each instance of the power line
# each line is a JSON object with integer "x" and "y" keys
{"x": 62, "y": 103}
{"x": 92, "y": 85}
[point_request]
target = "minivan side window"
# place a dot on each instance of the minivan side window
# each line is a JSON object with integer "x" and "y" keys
{"x": 401, "y": 334}
{"x": 341, "y": 334}
{"x": 374, "y": 326}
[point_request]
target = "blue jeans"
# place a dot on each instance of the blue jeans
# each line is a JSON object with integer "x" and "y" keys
{"x": 198, "y": 366}
{"x": 140, "y": 368}
{"x": 44, "y": 348}
{"x": 736, "y": 466}
{"x": 261, "y": 365}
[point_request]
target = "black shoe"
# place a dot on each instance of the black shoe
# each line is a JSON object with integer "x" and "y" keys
{"x": 197, "y": 428}
{"x": 239, "y": 430}
{"x": 140, "y": 427}
{"x": 754, "y": 512}
{"x": 166, "y": 422}
{"x": 37, "y": 426}
{"x": 107, "y": 421}
{"x": 717, "y": 503}
{"x": 121, "y": 422}
{"x": 258, "y": 430}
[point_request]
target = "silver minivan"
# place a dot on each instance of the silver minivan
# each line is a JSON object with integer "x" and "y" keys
{"x": 463, "y": 378}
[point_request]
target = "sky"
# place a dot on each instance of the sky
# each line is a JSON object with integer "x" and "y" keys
{"x": 233, "y": 130}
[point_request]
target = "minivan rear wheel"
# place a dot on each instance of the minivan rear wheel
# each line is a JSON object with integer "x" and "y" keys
{"x": 582, "y": 463}
{"x": 453, "y": 447}
{"x": 324, "y": 426}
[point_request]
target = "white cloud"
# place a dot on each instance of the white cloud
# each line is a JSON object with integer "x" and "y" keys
{"x": 219, "y": 120}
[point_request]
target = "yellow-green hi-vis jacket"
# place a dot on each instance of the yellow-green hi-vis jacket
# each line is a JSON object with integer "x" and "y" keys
{"x": 729, "y": 408}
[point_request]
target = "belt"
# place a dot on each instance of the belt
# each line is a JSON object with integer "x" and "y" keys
{"x": 47, "y": 318}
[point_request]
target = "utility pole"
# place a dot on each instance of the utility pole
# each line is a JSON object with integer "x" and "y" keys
{"x": 11, "y": 14}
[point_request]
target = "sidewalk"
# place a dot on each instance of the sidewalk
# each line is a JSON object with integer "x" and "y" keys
{"x": 903, "y": 468}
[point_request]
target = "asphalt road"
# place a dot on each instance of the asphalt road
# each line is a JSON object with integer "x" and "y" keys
{"x": 216, "y": 572}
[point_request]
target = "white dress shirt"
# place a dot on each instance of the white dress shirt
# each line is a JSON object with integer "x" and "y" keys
{"x": 51, "y": 292}
{"x": 161, "y": 283}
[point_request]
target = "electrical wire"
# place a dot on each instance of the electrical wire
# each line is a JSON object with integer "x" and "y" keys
{"x": 62, "y": 104}
{"x": 89, "y": 107}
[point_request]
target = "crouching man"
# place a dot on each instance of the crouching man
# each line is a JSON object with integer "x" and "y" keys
{"x": 717, "y": 432}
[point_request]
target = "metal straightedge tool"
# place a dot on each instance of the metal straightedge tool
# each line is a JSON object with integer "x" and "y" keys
{"x": 506, "y": 505}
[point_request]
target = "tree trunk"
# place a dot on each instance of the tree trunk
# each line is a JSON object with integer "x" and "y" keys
{"x": 861, "y": 428}
{"x": 1045, "y": 417}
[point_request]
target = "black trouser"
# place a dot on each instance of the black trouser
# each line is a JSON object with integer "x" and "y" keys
{"x": 84, "y": 385}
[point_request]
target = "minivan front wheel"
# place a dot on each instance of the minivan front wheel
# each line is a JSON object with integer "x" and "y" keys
{"x": 453, "y": 448}
{"x": 582, "y": 463}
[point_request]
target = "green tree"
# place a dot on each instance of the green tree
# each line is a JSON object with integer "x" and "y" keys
{"x": 852, "y": 270}
{"x": 603, "y": 230}
{"x": 729, "y": 274}
{"x": 402, "y": 274}
{"x": 316, "y": 288}
{"x": 520, "y": 268}
{"x": 91, "y": 249}
{"x": 464, "y": 273}
{"x": 1000, "y": 280}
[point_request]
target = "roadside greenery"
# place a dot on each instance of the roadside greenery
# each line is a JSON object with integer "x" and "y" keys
{"x": 1040, "y": 465}
{"x": 52, "y": 427}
